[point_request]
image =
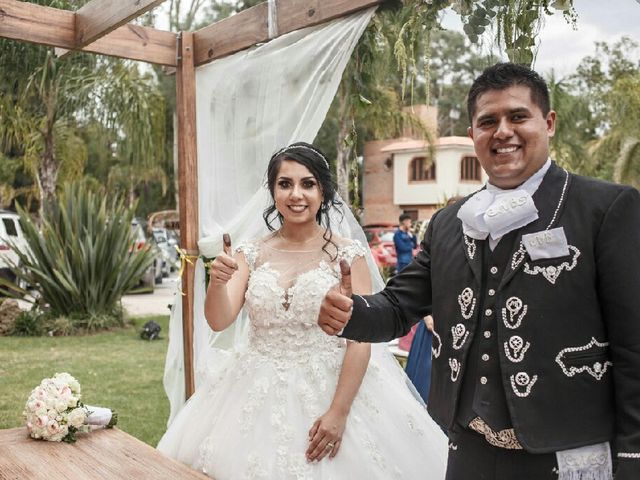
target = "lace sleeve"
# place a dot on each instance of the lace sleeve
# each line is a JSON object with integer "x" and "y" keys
{"x": 250, "y": 253}
{"x": 351, "y": 251}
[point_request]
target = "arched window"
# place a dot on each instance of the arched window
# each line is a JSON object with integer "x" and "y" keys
{"x": 470, "y": 169}
{"x": 418, "y": 172}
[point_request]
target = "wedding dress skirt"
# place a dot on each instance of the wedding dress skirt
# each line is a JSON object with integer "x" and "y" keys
{"x": 251, "y": 418}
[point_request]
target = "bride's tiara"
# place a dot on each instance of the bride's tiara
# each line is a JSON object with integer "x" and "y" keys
{"x": 303, "y": 147}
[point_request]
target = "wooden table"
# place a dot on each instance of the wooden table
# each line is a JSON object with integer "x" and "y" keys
{"x": 101, "y": 454}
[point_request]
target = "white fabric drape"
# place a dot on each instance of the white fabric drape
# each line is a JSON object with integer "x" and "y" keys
{"x": 248, "y": 106}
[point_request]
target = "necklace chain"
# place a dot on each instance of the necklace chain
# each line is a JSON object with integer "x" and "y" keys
{"x": 304, "y": 242}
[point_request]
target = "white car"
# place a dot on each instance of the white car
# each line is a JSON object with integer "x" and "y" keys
{"x": 10, "y": 234}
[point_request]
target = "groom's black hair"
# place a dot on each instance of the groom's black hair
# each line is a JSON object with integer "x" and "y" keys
{"x": 505, "y": 75}
{"x": 316, "y": 162}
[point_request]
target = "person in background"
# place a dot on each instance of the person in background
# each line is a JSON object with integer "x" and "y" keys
{"x": 405, "y": 242}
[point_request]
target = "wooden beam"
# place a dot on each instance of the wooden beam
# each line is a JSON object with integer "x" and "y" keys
{"x": 250, "y": 26}
{"x": 135, "y": 42}
{"x": 188, "y": 191}
{"x": 54, "y": 27}
{"x": 99, "y": 17}
{"x": 36, "y": 24}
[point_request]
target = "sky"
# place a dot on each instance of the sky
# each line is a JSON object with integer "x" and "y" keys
{"x": 561, "y": 47}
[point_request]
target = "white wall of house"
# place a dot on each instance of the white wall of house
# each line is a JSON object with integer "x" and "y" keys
{"x": 432, "y": 192}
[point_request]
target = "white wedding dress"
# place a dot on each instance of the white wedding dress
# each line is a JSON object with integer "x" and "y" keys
{"x": 251, "y": 418}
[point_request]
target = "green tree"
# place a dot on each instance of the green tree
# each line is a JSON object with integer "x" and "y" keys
{"x": 45, "y": 97}
{"x": 454, "y": 64}
{"x": 575, "y": 126}
{"x": 609, "y": 80}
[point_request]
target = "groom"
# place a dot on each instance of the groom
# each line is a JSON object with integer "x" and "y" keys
{"x": 533, "y": 283}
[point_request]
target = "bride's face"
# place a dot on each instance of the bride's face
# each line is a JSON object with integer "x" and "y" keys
{"x": 297, "y": 193}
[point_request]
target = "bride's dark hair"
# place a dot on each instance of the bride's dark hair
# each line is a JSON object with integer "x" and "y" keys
{"x": 316, "y": 162}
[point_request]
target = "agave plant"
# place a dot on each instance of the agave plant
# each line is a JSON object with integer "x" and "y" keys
{"x": 81, "y": 260}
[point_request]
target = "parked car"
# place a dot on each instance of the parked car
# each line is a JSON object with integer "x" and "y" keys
{"x": 10, "y": 234}
{"x": 141, "y": 241}
{"x": 166, "y": 244}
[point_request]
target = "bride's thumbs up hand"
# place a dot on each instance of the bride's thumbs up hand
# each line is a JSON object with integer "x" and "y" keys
{"x": 224, "y": 265}
{"x": 337, "y": 305}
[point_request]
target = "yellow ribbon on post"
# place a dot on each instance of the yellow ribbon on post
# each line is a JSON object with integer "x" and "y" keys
{"x": 184, "y": 259}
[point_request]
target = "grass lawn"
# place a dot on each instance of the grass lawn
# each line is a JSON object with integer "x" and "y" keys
{"x": 115, "y": 369}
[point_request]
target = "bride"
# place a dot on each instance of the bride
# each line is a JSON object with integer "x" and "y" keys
{"x": 296, "y": 403}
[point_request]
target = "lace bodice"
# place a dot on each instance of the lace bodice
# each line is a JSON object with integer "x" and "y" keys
{"x": 283, "y": 317}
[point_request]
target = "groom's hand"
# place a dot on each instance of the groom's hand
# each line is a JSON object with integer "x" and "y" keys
{"x": 336, "y": 307}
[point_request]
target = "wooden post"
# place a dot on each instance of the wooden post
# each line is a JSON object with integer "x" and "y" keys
{"x": 188, "y": 190}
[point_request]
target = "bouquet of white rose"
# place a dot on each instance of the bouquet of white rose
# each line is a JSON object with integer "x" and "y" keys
{"x": 55, "y": 413}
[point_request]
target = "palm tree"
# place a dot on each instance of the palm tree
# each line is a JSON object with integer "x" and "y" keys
{"x": 575, "y": 127}
{"x": 622, "y": 137}
{"x": 43, "y": 96}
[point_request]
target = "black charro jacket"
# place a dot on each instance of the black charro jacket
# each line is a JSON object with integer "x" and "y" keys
{"x": 578, "y": 382}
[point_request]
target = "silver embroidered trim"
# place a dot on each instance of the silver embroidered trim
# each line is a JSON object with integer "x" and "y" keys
{"x": 591, "y": 462}
{"x": 455, "y": 368}
{"x": 515, "y": 349}
{"x": 552, "y": 272}
{"x": 502, "y": 438}
{"x": 517, "y": 311}
{"x": 597, "y": 370}
{"x": 471, "y": 246}
{"x": 435, "y": 352}
{"x": 519, "y": 255}
{"x": 453, "y": 446}
{"x": 459, "y": 332}
{"x": 562, "y": 195}
{"x": 628, "y": 455}
{"x": 522, "y": 379}
{"x": 467, "y": 303}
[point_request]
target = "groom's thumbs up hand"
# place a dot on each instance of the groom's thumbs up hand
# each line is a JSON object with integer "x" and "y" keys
{"x": 336, "y": 307}
{"x": 224, "y": 265}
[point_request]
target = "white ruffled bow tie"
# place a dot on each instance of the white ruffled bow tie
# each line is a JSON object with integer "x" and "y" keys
{"x": 492, "y": 213}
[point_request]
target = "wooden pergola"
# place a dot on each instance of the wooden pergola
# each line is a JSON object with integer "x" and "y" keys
{"x": 101, "y": 27}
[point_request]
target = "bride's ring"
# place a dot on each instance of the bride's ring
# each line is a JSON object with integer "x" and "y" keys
{"x": 330, "y": 446}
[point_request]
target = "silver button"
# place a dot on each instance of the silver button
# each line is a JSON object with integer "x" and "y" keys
{"x": 483, "y": 380}
{"x": 494, "y": 270}
{"x": 485, "y": 357}
{"x": 487, "y": 334}
{"x": 492, "y": 292}
{"x": 488, "y": 312}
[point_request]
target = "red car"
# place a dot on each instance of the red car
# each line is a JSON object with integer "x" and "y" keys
{"x": 380, "y": 238}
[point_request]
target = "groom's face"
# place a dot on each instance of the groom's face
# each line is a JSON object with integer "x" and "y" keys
{"x": 511, "y": 135}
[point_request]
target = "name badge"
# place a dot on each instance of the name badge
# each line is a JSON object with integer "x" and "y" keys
{"x": 546, "y": 244}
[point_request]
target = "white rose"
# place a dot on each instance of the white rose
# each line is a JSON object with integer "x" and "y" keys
{"x": 40, "y": 394}
{"x": 50, "y": 402}
{"x": 61, "y": 405}
{"x": 75, "y": 386}
{"x": 52, "y": 414}
{"x": 72, "y": 401}
{"x": 53, "y": 427}
{"x": 76, "y": 417}
{"x": 65, "y": 391}
{"x": 41, "y": 421}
